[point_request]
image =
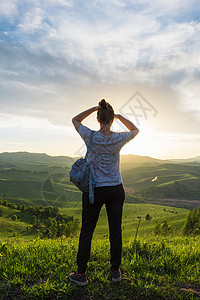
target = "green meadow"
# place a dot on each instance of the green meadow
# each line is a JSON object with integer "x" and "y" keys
{"x": 152, "y": 268}
{"x": 158, "y": 263}
{"x": 41, "y": 179}
{"x": 175, "y": 216}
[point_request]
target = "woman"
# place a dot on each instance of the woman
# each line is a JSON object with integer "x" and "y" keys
{"x": 104, "y": 163}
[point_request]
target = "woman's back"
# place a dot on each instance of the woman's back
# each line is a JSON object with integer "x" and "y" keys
{"x": 104, "y": 155}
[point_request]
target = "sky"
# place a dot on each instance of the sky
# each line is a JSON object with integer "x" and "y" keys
{"x": 60, "y": 57}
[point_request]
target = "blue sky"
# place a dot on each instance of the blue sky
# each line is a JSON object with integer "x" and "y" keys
{"x": 58, "y": 58}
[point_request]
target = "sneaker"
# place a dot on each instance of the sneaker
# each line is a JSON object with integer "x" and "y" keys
{"x": 79, "y": 279}
{"x": 116, "y": 276}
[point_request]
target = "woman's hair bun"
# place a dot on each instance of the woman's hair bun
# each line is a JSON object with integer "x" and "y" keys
{"x": 103, "y": 103}
{"x": 105, "y": 113}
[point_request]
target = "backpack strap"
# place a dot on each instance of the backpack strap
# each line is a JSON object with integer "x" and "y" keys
{"x": 91, "y": 182}
{"x": 89, "y": 144}
{"x": 91, "y": 188}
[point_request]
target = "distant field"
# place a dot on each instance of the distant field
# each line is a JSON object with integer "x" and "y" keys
{"x": 174, "y": 216}
{"x": 37, "y": 188}
{"x": 178, "y": 181}
{"x": 39, "y": 179}
{"x": 10, "y": 228}
{"x": 153, "y": 267}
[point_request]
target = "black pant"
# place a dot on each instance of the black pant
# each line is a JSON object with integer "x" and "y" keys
{"x": 113, "y": 198}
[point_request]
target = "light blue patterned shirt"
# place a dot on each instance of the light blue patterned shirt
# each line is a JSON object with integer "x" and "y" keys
{"x": 104, "y": 155}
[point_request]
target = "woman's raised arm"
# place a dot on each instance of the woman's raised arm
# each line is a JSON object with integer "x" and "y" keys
{"x": 80, "y": 117}
{"x": 133, "y": 129}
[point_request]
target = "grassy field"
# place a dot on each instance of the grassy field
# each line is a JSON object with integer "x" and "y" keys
{"x": 10, "y": 228}
{"x": 175, "y": 216}
{"x": 178, "y": 181}
{"x": 37, "y": 188}
{"x": 152, "y": 268}
{"x": 42, "y": 178}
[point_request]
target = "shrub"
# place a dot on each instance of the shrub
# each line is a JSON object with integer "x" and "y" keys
{"x": 33, "y": 220}
{"x": 192, "y": 223}
{"x": 14, "y": 217}
{"x": 5, "y": 203}
{"x": 55, "y": 211}
{"x": 162, "y": 228}
{"x": 22, "y": 208}
{"x": 148, "y": 218}
{"x": 36, "y": 211}
{"x": 13, "y": 206}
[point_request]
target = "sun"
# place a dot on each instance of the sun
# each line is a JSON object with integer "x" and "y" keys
{"x": 142, "y": 144}
{"x": 148, "y": 142}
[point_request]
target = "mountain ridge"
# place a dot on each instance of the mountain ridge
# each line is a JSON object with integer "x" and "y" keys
{"x": 38, "y": 176}
{"x": 29, "y": 157}
{"x": 32, "y": 157}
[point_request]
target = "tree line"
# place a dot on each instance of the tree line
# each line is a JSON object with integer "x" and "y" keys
{"x": 46, "y": 220}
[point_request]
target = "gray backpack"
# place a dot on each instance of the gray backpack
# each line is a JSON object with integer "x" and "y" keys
{"x": 81, "y": 175}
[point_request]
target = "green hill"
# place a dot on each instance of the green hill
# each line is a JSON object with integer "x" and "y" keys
{"x": 10, "y": 228}
{"x": 192, "y": 161}
{"x": 166, "y": 180}
{"x": 153, "y": 266}
{"x": 40, "y": 178}
{"x": 157, "y": 213}
{"x": 159, "y": 267}
{"x": 34, "y": 158}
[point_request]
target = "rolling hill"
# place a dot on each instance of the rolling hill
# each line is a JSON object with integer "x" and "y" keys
{"x": 34, "y": 158}
{"x": 40, "y": 178}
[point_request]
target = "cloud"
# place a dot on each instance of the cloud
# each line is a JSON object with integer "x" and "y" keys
{"x": 189, "y": 90}
{"x": 55, "y": 47}
{"x": 116, "y": 38}
{"x": 33, "y": 134}
{"x": 33, "y": 20}
{"x": 9, "y": 121}
{"x": 59, "y": 56}
{"x": 8, "y": 8}
{"x": 129, "y": 44}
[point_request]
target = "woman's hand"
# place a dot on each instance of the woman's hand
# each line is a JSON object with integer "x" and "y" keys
{"x": 80, "y": 117}
{"x": 116, "y": 116}
{"x": 96, "y": 108}
{"x": 133, "y": 129}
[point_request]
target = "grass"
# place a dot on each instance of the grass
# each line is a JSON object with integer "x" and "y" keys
{"x": 10, "y": 228}
{"x": 41, "y": 177}
{"x": 139, "y": 177}
{"x": 152, "y": 268}
{"x": 175, "y": 216}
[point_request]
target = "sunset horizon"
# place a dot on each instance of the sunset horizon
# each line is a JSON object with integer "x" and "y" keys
{"x": 84, "y": 152}
{"x": 59, "y": 58}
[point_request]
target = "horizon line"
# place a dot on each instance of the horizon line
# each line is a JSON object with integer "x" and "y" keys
{"x": 24, "y": 151}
